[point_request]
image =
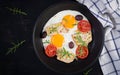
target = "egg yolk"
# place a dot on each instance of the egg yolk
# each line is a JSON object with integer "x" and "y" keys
{"x": 57, "y": 40}
{"x": 68, "y": 21}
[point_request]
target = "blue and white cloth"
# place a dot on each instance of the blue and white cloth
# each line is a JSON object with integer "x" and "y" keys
{"x": 108, "y": 13}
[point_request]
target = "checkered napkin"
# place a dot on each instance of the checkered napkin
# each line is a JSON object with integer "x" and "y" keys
{"x": 108, "y": 13}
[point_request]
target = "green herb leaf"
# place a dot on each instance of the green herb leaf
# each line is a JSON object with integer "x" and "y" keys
{"x": 80, "y": 51}
{"x": 80, "y": 40}
{"x": 15, "y": 46}
{"x": 65, "y": 19}
{"x": 46, "y": 41}
{"x": 87, "y": 72}
{"x": 16, "y": 11}
{"x": 78, "y": 32}
{"x": 53, "y": 29}
{"x": 74, "y": 24}
{"x": 65, "y": 52}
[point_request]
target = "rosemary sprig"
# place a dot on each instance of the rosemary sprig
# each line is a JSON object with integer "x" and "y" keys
{"x": 87, "y": 72}
{"x": 15, "y": 46}
{"x": 16, "y": 11}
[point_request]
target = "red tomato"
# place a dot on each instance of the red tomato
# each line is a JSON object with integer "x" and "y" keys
{"x": 50, "y": 50}
{"x": 82, "y": 52}
{"x": 84, "y": 26}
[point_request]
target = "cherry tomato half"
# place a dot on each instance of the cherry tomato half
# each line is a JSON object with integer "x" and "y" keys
{"x": 82, "y": 52}
{"x": 84, "y": 26}
{"x": 50, "y": 50}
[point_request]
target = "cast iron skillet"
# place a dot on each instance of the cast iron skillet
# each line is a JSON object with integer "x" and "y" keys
{"x": 95, "y": 47}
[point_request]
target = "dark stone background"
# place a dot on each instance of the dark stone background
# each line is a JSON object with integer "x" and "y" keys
{"x": 16, "y": 28}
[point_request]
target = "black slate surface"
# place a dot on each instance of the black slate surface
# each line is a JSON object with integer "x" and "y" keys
{"x": 16, "y": 28}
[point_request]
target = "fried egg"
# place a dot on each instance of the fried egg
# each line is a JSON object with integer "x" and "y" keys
{"x": 60, "y": 29}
